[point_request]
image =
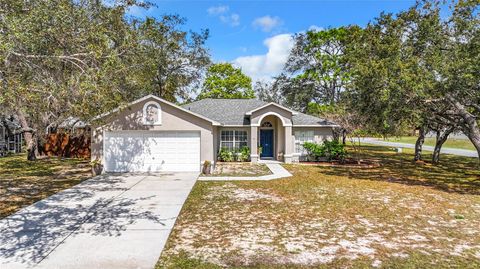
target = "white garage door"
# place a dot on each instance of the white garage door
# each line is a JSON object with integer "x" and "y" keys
{"x": 152, "y": 151}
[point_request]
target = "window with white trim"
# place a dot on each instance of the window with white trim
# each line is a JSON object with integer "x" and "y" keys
{"x": 302, "y": 137}
{"x": 233, "y": 139}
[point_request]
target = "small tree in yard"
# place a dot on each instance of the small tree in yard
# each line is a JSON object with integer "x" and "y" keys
{"x": 225, "y": 81}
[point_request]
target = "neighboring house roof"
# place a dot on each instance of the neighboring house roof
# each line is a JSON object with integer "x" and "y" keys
{"x": 72, "y": 122}
{"x": 10, "y": 122}
{"x": 235, "y": 112}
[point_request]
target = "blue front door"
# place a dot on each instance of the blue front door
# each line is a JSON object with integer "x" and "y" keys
{"x": 266, "y": 142}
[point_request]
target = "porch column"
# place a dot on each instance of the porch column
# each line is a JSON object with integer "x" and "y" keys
{"x": 288, "y": 144}
{"x": 254, "y": 144}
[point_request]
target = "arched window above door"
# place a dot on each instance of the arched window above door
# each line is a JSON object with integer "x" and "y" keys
{"x": 267, "y": 124}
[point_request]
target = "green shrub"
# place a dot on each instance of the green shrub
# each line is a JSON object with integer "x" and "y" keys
{"x": 225, "y": 155}
{"x": 244, "y": 154}
{"x": 314, "y": 151}
{"x": 332, "y": 150}
{"x": 239, "y": 155}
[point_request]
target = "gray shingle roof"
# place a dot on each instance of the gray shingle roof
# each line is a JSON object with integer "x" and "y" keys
{"x": 10, "y": 122}
{"x": 232, "y": 111}
{"x": 225, "y": 111}
{"x": 72, "y": 122}
{"x": 304, "y": 119}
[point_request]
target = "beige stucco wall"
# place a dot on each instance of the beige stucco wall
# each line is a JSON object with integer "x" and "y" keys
{"x": 320, "y": 134}
{"x": 173, "y": 119}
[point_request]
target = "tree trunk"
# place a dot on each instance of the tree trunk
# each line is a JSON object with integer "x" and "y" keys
{"x": 419, "y": 143}
{"x": 470, "y": 126}
{"x": 440, "y": 139}
{"x": 473, "y": 134}
{"x": 336, "y": 134}
{"x": 472, "y": 130}
{"x": 30, "y": 137}
{"x": 475, "y": 139}
{"x": 344, "y": 136}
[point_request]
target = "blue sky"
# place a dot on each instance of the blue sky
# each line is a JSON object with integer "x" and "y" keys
{"x": 256, "y": 35}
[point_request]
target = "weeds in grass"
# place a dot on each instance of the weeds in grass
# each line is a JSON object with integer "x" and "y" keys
{"x": 398, "y": 215}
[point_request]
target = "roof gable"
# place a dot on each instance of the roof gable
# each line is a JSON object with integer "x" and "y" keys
{"x": 151, "y": 96}
{"x": 271, "y": 104}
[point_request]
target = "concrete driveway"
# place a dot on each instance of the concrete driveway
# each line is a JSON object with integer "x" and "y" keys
{"x": 110, "y": 221}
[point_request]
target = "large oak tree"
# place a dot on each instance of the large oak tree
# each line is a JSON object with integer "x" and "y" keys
{"x": 62, "y": 58}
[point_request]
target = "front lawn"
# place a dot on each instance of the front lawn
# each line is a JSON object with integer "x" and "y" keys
{"x": 430, "y": 141}
{"x": 398, "y": 215}
{"x": 24, "y": 182}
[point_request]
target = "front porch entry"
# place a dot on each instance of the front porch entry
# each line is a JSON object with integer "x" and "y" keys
{"x": 272, "y": 135}
{"x": 266, "y": 142}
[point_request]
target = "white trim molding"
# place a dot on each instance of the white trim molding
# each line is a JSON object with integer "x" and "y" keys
{"x": 274, "y": 104}
{"x": 284, "y": 124}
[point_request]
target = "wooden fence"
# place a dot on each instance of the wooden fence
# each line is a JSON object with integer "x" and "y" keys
{"x": 67, "y": 145}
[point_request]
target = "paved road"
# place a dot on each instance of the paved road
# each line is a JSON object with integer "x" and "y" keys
{"x": 459, "y": 152}
{"x": 111, "y": 221}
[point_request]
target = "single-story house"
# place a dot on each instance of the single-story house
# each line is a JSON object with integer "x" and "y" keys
{"x": 11, "y": 135}
{"x": 152, "y": 134}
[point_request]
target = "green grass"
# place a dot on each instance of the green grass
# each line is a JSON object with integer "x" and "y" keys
{"x": 400, "y": 214}
{"x": 25, "y": 182}
{"x": 430, "y": 141}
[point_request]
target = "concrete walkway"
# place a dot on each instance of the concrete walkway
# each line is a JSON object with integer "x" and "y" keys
{"x": 110, "y": 221}
{"x": 277, "y": 172}
{"x": 453, "y": 151}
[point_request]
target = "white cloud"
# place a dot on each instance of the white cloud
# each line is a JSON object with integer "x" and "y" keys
{"x": 217, "y": 10}
{"x": 267, "y": 23}
{"x": 315, "y": 28}
{"x": 232, "y": 20}
{"x": 264, "y": 66}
